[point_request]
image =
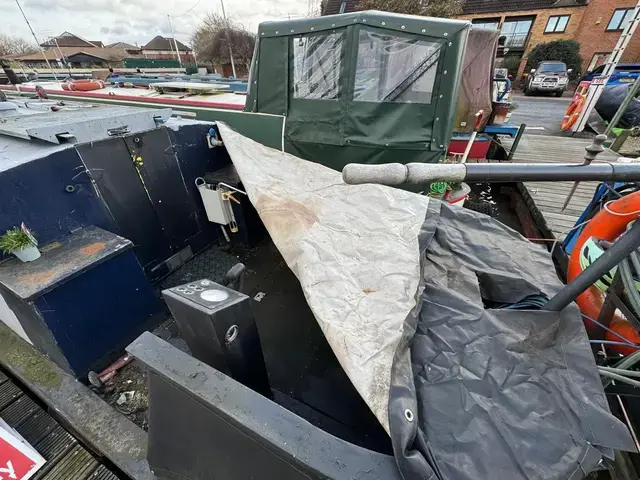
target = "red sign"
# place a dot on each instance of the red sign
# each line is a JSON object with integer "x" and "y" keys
{"x": 18, "y": 461}
{"x": 600, "y": 80}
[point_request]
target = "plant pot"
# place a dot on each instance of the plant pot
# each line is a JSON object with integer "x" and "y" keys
{"x": 27, "y": 254}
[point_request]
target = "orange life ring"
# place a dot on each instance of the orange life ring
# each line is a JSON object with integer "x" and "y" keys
{"x": 83, "y": 85}
{"x": 606, "y": 226}
{"x": 573, "y": 113}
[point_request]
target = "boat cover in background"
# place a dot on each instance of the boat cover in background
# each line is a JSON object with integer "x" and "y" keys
{"x": 398, "y": 284}
{"x": 611, "y": 100}
{"x": 476, "y": 79}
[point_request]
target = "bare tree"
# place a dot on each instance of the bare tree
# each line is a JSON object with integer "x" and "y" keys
{"x": 430, "y": 8}
{"x": 13, "y": 45}
{"x": 212, "y": 37}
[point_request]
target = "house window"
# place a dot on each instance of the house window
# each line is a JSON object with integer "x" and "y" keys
{"x": 491, "y": 23}
{"x": 395, "y": 69}
{"x": 343, "y": 6}
{"x": 316, "y": 66}
{"x": 620, "y": 18}
{"x": 516, "y": 31}
{"x": 557, "y": 24}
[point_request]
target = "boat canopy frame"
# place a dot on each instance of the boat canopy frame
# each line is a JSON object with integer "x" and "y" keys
{"x": 368, "y": 87}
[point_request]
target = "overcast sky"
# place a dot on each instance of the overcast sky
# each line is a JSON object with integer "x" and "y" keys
{"x": 135, "y": 20}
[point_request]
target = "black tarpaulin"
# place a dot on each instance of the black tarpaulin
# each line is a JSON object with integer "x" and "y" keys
{"x": 494, "y": 393}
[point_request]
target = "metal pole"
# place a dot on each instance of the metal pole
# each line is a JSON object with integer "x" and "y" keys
{"x": 62, "y": 56}
{"x": 419, "y": 173}
{"x": 623, "y": 108}
{"x": 224, "y": 15}
{"x": 174, "y": 41}
{"x": 620, "y": 250}
{"x": 592, "y": 152}
{"x": 37, "y": 42}
{"x": 516, "y": 141}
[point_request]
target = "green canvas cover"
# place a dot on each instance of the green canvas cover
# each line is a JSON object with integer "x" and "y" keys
{"x": 366, "y": 87}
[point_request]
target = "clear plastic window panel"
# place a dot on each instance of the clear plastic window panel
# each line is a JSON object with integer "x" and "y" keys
{"x": 395, "y": 69}
{"x": 316, "y": 66}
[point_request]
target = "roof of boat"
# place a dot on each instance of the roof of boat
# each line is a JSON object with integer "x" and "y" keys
{"x": 113, "y": 93}
{"x": 427, "y": 26}
{"x": 30, "y": 133}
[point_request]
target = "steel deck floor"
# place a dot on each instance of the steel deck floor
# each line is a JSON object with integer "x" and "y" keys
{"x": 548, "y": 197}
{"x": 66, "y": 458}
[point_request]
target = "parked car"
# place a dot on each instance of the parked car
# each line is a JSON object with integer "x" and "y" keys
{"x": 624, "y": 73}
{"x": 548, "y": 77}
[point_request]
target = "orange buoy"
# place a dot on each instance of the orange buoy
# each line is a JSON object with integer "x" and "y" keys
{"x": 573, "y": 113}
{"x": 83, "y": 85}
{"x": 608, "y": 224}
{"x": 625, "y": 329}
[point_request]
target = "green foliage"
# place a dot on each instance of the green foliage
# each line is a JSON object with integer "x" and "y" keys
{"x": 511, "y": 63}
{"x": 14, "y": 239}
{"x": 213, "y": 36}
{"x": 567, "y": 51}
{"x": 432, "y": 8}
{"x": 191, "y": 69}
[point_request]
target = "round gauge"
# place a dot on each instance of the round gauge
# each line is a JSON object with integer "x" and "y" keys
{"x": 214, "y": 295}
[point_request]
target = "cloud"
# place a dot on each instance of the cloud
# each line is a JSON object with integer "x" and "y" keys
{"x": 137, "y": 20}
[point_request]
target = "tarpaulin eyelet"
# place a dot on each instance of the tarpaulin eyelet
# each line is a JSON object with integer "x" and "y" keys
{"x": 408, "y": 414}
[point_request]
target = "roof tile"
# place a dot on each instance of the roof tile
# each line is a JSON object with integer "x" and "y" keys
{"x": 165, "y": 43}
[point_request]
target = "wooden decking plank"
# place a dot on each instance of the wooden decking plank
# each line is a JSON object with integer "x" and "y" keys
{"x": 77, "y": 464}
{"x": 549, "y": 197}
{"x": 554, "y": 149}
{"x": 9, "y": 393}
{"x": 19, "y": 411}
{"x": 583, "y": 194}
{"x": 66, "y": 458}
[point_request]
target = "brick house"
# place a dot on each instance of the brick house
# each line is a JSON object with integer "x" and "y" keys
{"x": 68, "y": 39}
{"x": 602, "y": 22}
{"x": 595, "y": 24}
{"x": 164, "y": 48}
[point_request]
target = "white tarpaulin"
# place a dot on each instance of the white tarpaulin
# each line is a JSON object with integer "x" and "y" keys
{"x": 354, "y": 250}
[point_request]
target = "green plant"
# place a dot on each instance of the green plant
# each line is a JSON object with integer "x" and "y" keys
{"x": 14, "y": 239}
{"x": 567, "y": 51}
{"x": 511, "y": 63}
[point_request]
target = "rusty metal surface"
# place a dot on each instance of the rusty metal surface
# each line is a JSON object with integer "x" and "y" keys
{"x": 61, "y": 261}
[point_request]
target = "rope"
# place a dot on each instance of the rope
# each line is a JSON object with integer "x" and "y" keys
{"x": 627, "y": 341}
{"x": 620, "y": 378}
{"x": 606, "y": 207}
{"x": 182, "y": 15}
